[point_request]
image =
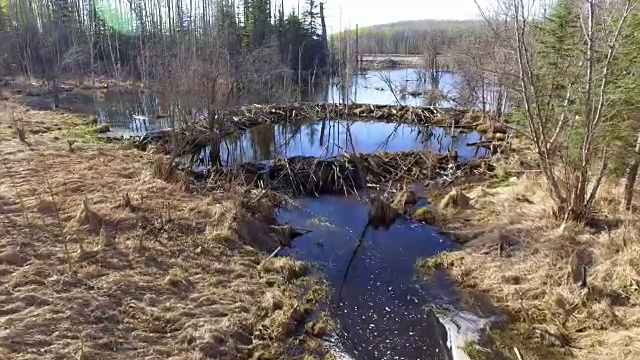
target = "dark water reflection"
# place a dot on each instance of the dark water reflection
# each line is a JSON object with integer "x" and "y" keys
{"x": 333, "y": 137}
{"x": 381, "y": 308}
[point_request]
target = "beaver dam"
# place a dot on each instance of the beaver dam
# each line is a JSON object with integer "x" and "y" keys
{"x": 372, "y": 271}
{"x": 308, "y": 175}
{"x": 424, "y": 115}
{"x": 327, "y": 158}
{"x": 246, "y": 117}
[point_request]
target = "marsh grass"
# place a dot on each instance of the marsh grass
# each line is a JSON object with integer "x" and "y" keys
{"x": 93, "y": 236}
{"x": 532, "y": 270}
{"x": 474, "y": 351}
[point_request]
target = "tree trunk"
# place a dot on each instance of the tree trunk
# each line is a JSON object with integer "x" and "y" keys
{"x": 56, "y": 92}
{"x": 632, "y": 174}
{"x": 324, "y": 29}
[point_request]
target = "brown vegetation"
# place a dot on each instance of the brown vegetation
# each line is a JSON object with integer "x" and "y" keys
{"x": 349, "y": 172}
{"x": 102, "y": 259}
{"x": 567, "y": 292}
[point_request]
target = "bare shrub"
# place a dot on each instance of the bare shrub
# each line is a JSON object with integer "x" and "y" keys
{"x": 577, "y": 118}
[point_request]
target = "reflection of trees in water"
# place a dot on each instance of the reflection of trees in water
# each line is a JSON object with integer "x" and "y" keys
{"x": 120, "y": 105}
{"x": 262, "y": 140}
{"x": 401, "y": 85}
{"x": 312, "y": 132}
{"x": 234, "y": 146}
{"x": 326, "y": 138}
{"x": 323, "y": 128}
{"x": 442, "y": 139}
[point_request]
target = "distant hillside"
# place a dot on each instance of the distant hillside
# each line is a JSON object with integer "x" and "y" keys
{"x": 410, "y": 37}
{"x": 427, "y": 24}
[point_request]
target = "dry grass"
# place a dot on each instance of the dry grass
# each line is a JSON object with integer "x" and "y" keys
{"x": 101, "y": 259}
{"x": 532, "y": 271}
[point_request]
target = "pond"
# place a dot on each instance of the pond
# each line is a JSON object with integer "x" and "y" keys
{"x": 328, "y": 138}
{"x": 383, "y": 311}
{"x": 394, "y": 86}
{"x": 406, "y": 86}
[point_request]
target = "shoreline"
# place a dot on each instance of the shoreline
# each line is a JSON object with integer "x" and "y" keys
{"x": 514, "y": 253}
{"x": 119, "y": 257}
{"x": 512, "y": 250}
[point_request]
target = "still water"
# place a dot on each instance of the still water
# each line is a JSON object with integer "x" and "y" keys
{"x": 407, "y": 86}
{"x": 395, "y": 86}
{"x": 329, "y": 138}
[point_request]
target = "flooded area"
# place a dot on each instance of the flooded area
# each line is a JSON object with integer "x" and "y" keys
{"x": 383, "y": 311}
{"x": 406, "y": 86}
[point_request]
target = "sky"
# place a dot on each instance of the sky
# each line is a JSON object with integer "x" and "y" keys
{"x": 348, "y": 13}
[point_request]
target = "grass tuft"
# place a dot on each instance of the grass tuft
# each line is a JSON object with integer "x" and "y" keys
{"x": 534, "y": 273}
{"x": 192, "y": 290}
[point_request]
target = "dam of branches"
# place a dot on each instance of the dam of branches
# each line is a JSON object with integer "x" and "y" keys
{"x": 322, "y": 148}
{"x": 339, "y": 166}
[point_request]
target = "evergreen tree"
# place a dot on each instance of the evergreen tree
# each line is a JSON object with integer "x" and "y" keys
{"x": 311, "y": 16}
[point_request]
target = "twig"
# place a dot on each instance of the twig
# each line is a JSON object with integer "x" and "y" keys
{"x": 274, "y": 253}
{"x": 515, "y": 349}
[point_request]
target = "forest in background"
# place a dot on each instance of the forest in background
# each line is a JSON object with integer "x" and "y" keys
{"x": 204, "y": 54}
{"x": 183, "y": 43}
{"x": 409, "y": 37}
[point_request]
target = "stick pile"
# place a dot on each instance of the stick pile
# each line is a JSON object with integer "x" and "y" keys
{"x": 306, "y": 175}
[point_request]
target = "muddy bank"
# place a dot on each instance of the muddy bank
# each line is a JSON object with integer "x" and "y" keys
{"x": 534, "y": 272}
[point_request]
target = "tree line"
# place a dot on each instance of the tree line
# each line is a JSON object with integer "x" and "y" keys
{"x": 140, "y": 39}
{"x": 410, "y": 37}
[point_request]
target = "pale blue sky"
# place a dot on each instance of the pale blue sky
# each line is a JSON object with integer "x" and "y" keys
{"x": 371, "y": 12}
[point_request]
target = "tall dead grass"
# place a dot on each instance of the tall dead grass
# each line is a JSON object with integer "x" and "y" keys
{"x": 167, "y": 273}
{"x": 534, "y": 271}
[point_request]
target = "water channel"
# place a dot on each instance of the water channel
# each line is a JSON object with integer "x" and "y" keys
{"x": 383, "y": 309}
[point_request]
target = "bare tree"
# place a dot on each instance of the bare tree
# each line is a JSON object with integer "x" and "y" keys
{"x": 545, "y": 115}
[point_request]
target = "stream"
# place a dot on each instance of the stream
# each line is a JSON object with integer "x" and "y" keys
{"x": 383, "y": 309}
